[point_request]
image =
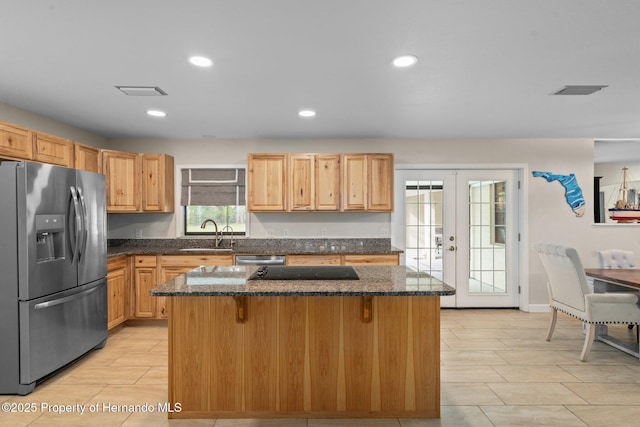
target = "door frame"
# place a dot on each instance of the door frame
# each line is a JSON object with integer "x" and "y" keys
{"x": 522, "y": 220}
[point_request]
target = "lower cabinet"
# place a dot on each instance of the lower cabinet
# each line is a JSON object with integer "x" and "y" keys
{"x": 117, "y": 280}
{"x": 386, "y": 259}
{"x": 145, "y": 278}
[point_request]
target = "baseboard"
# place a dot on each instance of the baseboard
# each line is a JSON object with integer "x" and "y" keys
{"x": 538, "y": 308}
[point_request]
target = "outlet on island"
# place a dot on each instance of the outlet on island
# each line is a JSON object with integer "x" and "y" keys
{"x": 138, "y": 233}
{"x": 323, "y": 232}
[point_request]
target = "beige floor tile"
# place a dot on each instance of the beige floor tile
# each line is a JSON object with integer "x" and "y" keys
{"x": 155, "y": 375}
{"x": 116, "y": 395}
{"x": 536, "y": 357}
{"x": 475, "y": 358}
{"x": 159, "y": 419}
{"x": 475, "y": 344}
{"x": 607, "y": 394}
{"x": 535, "y": 394}
{"x": 480, "y": 333}
{"x": 537, "y": 374}
{"x": 608, "y": 416}
{"x": 470, "y": 374}
{"x": 603, "y": 374}
{"x": 80, "y": 420}
{"x": 105, "y": 375}
{"x": 510, "y": 416}
{"x": 138, "y": 358}
{"x": 451, "y": 416}
{"x": 18, "y": 419}
{"x": 542, "y": 344}
{"x": 467, "y": 394}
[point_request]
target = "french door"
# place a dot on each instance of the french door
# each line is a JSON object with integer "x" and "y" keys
{"x": 461, "y": 227}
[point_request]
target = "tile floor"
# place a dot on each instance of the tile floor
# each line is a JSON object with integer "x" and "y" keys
{"x": 497, "y": 370}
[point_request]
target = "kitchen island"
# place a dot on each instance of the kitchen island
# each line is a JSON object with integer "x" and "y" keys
{"x": 241, "y": 348}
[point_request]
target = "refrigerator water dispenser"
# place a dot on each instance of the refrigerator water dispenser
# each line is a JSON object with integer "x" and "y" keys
{"x": 49, "y": 237}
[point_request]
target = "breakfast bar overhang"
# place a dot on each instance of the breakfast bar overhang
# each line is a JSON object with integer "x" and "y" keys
{"x": 241, "y": 348}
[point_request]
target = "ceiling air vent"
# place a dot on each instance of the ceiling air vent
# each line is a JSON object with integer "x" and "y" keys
{"x": 141, "y": 90}
{"x": 579, "y": 90}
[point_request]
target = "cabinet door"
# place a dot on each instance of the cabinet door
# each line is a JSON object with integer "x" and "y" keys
{"x": 302, "y": 182}
{"x": 354, "y": 182}
{"x": 390, "y": 259}
{"x": 267, "y": 182}
{"x": 314, "y": 260}
{"x": 87, "y": 158}
{"x": 15, "y": 142}
{"x": 380, "y": 171}
{"x": 327, "y": 174}
{"x": 157, "y": 183}
{"x": 122, "y": 171}
{"x": 116, "y": 291}
{"x": 145, "y": 279}
{"x": 53, "y": 149}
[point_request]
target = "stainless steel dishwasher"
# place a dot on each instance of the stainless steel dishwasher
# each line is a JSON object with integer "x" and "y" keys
{"x": 261, "y": 260}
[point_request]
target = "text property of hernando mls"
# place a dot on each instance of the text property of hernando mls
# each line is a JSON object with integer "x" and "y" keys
{"x": 90, "y": 408}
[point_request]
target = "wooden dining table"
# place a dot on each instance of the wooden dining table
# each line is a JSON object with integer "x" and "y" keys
{"x": 615, "y": 280}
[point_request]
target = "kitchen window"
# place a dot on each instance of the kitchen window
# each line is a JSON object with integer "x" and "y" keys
{"x": 217, "y": 194}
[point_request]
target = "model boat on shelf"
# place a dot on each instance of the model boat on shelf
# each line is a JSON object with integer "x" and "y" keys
{"x": 626, "y": 209}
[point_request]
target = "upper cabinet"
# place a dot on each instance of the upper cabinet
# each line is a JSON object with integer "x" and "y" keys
{"x": 15, "y": 142}
{"x": 267, "y": 182}
{"x": 87, "y": 158}
{"x": 52, "y": 149}
{"x": 320, "y": 182}
{"x": 380, "y": 182}
{"x": 138, "y": 182}
{"x": 157, "y": 183}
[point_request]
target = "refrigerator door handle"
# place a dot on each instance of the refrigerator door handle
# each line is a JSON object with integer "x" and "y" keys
{"x": 62, "y": 300}
{"x": 78, "y": 227}
{"x": 85, "y": 225}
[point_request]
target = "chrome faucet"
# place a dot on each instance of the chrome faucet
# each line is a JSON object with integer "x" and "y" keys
{"x": 218, "y": 234}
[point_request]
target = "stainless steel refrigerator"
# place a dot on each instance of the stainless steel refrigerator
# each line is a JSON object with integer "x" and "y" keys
{"x": 53, "y": 267}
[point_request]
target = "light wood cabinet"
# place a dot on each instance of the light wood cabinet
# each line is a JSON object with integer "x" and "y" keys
{"x": 300, "y": 356}
{"x": 367, "y": 182}
{"x": 86, "y": 157}
{"x": 378, "y": 259}
{"x": 122, "y": 171}
{"x": 157, "y": 183}
{"x": 320, "y": 182}
{"x": 145, "y": 278}
{"x": 15, "y": 142}
{"x": 386, "y": 259}
{"x": 52, "y": 149}
{"x": 267, "y": 182}
{"x": 117, "y": 280}
{"x": 327, "y": 182}
{"x": 314, "y": 260}
{"x": 138, "y": 182}
{"x": 302, "y": 182}
{"x": 380, "y": 182}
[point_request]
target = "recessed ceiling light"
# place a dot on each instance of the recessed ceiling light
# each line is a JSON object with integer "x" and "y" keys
{"x": 201, "y": 61}
{"x": 404, "y": 61}
{"x": 156, "y": 113}
{"x": 306, "y": 113}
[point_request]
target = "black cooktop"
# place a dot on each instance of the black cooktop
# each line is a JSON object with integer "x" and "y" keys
{"x": 322, "y": 272}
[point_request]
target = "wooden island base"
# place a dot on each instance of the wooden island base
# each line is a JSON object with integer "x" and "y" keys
{"x": 304, "y": 356}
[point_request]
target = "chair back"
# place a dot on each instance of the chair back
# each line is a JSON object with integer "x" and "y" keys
{"x": 616, "y": 258}
{"x": 567, "y": 282}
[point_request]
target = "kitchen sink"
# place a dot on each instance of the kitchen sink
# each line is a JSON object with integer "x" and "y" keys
{"x": 213, "y": 250}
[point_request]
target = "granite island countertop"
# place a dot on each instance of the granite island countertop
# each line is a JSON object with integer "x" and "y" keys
{"x": 234, "y": 281}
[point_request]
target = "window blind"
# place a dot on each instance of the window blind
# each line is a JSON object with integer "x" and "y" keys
{"x": 213, "y": 187}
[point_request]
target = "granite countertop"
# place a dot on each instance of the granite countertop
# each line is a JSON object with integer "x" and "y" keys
{"x": 233, "y": 281}
{"x": 251, "y": 247}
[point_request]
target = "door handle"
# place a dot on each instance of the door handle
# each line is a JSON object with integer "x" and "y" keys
{"x": 452, "y": 248}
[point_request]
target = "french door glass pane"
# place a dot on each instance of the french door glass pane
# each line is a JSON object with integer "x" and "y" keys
{"x": 487, "y": 237}
{"x": 423, "y": 210}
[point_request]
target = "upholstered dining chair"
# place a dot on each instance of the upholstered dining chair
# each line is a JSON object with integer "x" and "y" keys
{"x": 616, "y": 258}
{"x": 569, "y": 293}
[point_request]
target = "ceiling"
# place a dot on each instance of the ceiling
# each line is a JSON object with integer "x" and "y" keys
{"x": 486, "y": 68}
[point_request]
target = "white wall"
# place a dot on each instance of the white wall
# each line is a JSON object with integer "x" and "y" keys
{"x": 33, "y": 121}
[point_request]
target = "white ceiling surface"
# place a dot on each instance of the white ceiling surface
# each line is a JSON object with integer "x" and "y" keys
{"x": 486, "y": 67}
